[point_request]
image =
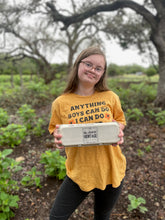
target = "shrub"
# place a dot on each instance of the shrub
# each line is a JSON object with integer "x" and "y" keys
{"x": 151, "y": 71}
{"x": 54, "y": 164}
{"x": 12, "y": 135}
{"x": 7, "y": 202}
{"x": 3, "y": 117}
{"x": 134, "y": 114}
{"x": 157, "y": 115}
{"x": 31, "y": 178}
{"x": 136, "y": 95}
{"x": 37, "y": 130}
{"x": 160, "y": 118}
{"x": 29, "y": 119}
{"x": 144, "y": 92}
{"x": 8, "y": 167}
{"x": 57, "y": 87}
{"x": 27, "y": 115}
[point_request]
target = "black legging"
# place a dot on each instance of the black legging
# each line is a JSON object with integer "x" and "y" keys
{"x": 70, "y": 196}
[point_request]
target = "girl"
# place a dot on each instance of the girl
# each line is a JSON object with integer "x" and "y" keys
{"x": 100, "y": 169}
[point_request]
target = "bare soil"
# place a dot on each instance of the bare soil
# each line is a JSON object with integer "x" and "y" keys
{"x": 145, "y": 176}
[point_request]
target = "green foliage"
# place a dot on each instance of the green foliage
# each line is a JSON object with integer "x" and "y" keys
{"x": 7, "y": 202}
{"x": 12, "y": 135}
{"x": 134, "y": 114}
{"x": 151, "y": 71}
{"x": 144, "y": 91}
{"x": 160, "y": 118}
{"x": 151, "y": 114}
{"x": 29, "y": 119}
{"x": 134, "y": 95}
{"x": 116, "y": 70}
{"x": 140, "y": 152}
{"x": 135, "y": 203}
{"x": 148, "y": 148}
{"x": 4, "y": 118}
{"x": 54, "y": 164}
{"x": 157, "y": 115}
{"x": 32, "y": 93}
{"x": 32, "y": 178}
{"x": 8, "y": 167}
{"x": 60, "y": 67}
{"x": 38, "y": 87}
{"x": 57, "y": 87}
{"x": 27, "y": 115}
{"x": 26, "y": 66}
{"x": 37, "y": 130}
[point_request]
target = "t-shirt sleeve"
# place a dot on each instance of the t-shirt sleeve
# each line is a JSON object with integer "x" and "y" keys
{"x": 118, "y": 113}
{"x": 55, "y": 116}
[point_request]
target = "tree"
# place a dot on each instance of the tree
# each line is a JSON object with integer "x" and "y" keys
{"x": 155, "y": 19}
{"x": 75, "y": 38}
{"x": 78, "y": 35}
{"x": 32, "y": 40}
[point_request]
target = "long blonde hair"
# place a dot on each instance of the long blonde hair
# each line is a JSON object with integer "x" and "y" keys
{"x": 73, "y": 77}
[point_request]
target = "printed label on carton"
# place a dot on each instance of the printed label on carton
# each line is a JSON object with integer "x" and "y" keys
{"x": 90, "y": 135}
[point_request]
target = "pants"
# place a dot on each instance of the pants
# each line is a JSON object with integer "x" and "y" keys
{"x": 70, "y": 196}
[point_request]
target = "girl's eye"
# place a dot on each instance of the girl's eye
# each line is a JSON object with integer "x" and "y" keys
{"x": 88, "y": 64}
{"x": 98, "y": 69}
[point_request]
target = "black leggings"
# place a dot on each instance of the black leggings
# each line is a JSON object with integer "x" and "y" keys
{"x": 70, "y": 196}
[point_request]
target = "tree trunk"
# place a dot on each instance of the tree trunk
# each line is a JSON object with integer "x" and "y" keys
{"x": 158, "y": 39}
{"x": 70, "y": 59}
{"x": 12, "y": 79}
{"x": 160, "y": 99}
{"x": 21, "y": 78}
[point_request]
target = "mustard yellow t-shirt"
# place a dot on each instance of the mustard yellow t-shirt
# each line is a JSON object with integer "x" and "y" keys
{"x": 93, "y": 166}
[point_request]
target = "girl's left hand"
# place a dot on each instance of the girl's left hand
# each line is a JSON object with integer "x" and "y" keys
{"x": 121, "y": 134}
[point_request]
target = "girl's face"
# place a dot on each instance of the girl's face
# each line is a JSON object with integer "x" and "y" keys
{"x": 91, "y": 70}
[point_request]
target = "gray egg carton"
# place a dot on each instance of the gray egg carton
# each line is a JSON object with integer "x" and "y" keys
{"x": 89, "y": 134}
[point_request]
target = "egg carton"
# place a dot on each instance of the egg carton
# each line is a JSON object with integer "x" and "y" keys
{"x": 89, "y": 134}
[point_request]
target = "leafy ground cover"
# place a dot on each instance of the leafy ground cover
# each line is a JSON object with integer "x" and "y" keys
{"x": 144, "y": 149}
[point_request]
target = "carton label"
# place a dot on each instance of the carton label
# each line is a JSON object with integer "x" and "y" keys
{"x": 90, "y": 135}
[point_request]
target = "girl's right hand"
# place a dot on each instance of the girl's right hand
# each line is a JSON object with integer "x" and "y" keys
{"x": 57, "y": 138}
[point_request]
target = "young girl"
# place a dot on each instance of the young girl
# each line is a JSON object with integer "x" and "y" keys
{"x": 100, "y": 169}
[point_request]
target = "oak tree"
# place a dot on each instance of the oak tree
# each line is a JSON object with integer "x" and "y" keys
{"x": 155, "y": 19}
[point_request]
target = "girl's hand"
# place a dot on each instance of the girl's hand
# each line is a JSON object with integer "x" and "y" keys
{"x": 57, "y": 138}
{"x": 121, "y": 134}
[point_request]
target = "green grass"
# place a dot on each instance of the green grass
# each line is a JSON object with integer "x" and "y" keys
{"x": 134, "y": 78}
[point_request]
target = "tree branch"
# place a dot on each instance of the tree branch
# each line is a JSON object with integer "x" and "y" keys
{"x": 68, "y": 20}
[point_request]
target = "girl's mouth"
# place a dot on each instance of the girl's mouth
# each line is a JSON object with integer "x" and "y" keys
{"x": 90, "y": 75}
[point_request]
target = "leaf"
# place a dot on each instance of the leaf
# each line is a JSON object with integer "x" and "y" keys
{"x": 13, "y": 202}
{"x": 131, "y": 197}
{"x": 3, "y": 196}
{"x": 26, "y": 178}
{"x": 143, "y": 209}
{"x": 6, "y": 209}
{"x": 3, "y": 216}
{"x": 130, "y": 208}
{"x": 141, "y": 200}
{"x": 37, "y": 181}
{"x": 6, "y": 152}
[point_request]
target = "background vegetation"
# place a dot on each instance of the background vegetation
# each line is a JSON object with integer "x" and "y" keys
{"x": 22, "y": 97}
